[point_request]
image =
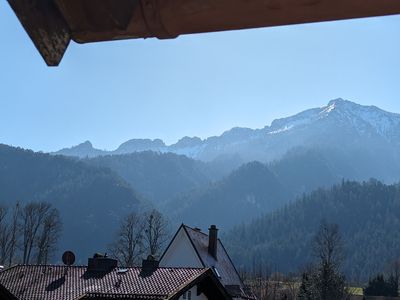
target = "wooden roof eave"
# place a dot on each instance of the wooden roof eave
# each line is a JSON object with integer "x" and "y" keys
{"x": 51, "y": 24}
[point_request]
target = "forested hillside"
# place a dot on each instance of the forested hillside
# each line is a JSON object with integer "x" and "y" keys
{"x": 253, "y": 190}
{"x": 159, "y": 177}
{"x": 240, "y": 197}
{"x": 91, "y": 200}
{"x": 368, "y": 215}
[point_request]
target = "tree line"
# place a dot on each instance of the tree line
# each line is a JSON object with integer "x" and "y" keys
{"x": 323, "y": 277}
{"x": 367, "y": 214}
{"x": 28, "y": 233}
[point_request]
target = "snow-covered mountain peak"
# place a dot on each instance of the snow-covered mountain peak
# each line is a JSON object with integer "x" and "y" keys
{"x": 340, "y": 105}
{"x": 340, "y": 101}
{"x": 343, "y": 112}
{"x": 362, "y": 117}
{"x": 301, "y": 119}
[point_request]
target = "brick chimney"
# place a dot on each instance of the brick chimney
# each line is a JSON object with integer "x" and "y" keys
{"x": 149, "y": 266}
{"x": 101, "y": 263}
{"x": 213, "y": 240}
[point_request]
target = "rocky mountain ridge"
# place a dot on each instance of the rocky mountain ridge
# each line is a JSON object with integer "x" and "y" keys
{"x": 339, "y": 120}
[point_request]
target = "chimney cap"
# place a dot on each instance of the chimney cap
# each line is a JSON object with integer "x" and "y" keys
{"x": 99, "y": 255}
{"x": 151, "y": 258}
{"x": 213, "y": 227}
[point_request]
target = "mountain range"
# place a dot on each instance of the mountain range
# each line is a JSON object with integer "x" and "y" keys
{"x": 209, "y": 181}
{"x": 341, "y": 125}
{"x": 236, "y": 178}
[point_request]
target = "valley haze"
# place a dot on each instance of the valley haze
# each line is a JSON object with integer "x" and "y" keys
{"x": 318, "y": 162}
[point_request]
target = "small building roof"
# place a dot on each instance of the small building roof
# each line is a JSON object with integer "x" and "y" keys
{"x": 75, "y": 282}
{"x": 222, "y": 267}
{"x": 223, "y": 264}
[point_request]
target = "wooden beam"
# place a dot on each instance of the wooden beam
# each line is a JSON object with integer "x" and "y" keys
{"x": 45, "y": 26}
{"x": 51, "y": 24}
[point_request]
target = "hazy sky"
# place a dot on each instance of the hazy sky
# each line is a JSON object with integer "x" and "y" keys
{"x": 199, "y": 85}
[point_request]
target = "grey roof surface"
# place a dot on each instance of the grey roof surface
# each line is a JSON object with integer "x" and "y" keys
{"x": 70, "y": 283}
{"x": 223, "y": 263}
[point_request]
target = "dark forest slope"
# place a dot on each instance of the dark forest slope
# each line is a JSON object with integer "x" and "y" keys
{"x": 91, "y": 199}
{"x": 368, "y": 215}
{"x": 159, "y": 177}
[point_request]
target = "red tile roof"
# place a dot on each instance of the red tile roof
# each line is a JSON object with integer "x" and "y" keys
{"x": 96, "y": 296}
{"x": 70, "y": 283}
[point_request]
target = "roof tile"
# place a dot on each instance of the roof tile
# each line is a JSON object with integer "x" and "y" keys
{"x": 69, "y": 283}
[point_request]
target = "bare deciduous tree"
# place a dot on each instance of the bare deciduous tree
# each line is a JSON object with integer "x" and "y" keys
{"x": 38, "y": 221}
{"x": 14, "y": 230}
{"x": 128, "y": 246}
{"x": 328, "y": 245}
{"x": 33, "y": 229}
{"x": 8, "y": 234}
{"x": 48, "y": 235}
{"x": 325, "y": 282}
{"x": 156, "y": 232}
{"x": 4, "y": 234}
{"x": 139, "y": 235}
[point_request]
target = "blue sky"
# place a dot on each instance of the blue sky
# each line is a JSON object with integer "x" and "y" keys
{"x": 198, "y": 85}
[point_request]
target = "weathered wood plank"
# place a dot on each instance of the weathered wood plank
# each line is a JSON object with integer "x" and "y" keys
{"x": 45, "y": 26}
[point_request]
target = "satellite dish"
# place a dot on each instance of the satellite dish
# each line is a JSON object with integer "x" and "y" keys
{"x": 68, "y": 258}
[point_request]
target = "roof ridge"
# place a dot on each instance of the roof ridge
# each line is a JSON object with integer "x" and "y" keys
{"x": 50, "y": 265}
{"x": 84, "y": 266}
{"x": 125, "y": 294}
{"x": 193, "y": 229}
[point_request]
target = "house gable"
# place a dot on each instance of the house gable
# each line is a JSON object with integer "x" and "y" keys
{"x": 181, "y": 252}
{"x": 190, "y": 248}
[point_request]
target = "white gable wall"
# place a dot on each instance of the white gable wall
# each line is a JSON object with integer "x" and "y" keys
{"x": 181, "y": 253}
{"x": 194, "y": 296}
